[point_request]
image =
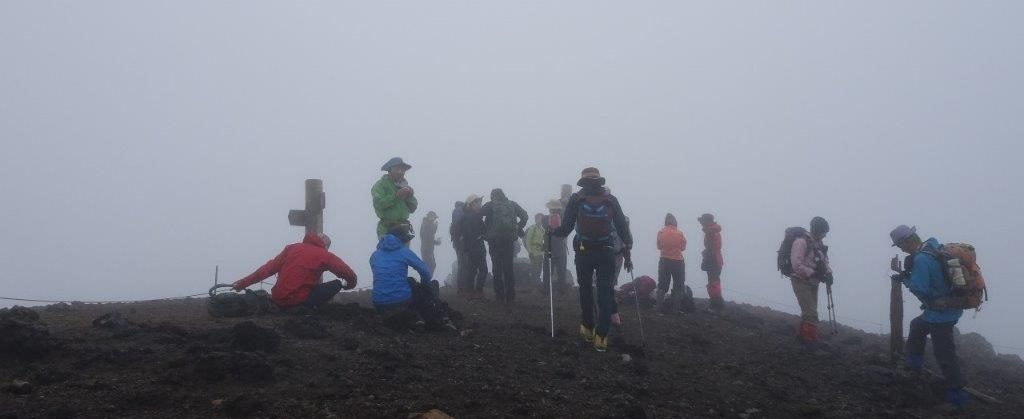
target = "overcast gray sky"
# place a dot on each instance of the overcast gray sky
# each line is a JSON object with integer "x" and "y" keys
{"x": 146, "y": 142}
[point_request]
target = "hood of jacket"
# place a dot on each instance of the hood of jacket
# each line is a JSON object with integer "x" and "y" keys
{"x": 312, "y": 239}
{"x": 390, "y": 243}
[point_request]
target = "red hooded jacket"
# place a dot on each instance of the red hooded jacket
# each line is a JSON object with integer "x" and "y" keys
{"x": 713, "y": 245}
{"x": 298, "y": 268}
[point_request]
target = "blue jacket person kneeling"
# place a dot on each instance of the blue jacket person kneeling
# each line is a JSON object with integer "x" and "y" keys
{"x": 395, "y": 294}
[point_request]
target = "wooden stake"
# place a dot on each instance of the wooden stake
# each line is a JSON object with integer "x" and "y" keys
{"x": 896, "y": 321}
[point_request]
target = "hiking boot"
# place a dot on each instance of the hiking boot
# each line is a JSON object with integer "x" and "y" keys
{"x": 600, "y": 343}
{"x": 587, "y": 333}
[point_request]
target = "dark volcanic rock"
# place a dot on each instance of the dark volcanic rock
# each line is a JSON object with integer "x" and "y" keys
{"x": 305, "y": 327}
{"x": 247, "y": 336}
{"x": 240, "y": 366}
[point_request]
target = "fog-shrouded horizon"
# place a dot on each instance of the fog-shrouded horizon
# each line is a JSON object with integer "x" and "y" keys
{"x": 145, "y": 143}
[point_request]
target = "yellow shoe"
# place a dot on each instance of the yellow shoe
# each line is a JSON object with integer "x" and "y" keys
{"x": 587, "y": 333}
{"x": 600, "y": 343}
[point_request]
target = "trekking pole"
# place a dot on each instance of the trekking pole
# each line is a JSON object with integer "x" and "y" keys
{"x": 639, "y": 317}
{"x": 551, "y": 285}
{"x": 831, "y": 310}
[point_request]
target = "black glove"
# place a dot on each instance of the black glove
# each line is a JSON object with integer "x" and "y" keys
{"x": 627, "y": 260}
{"x": 828, "y": 279}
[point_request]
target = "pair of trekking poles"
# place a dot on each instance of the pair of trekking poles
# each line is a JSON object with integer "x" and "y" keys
{"x": 551, "y": 294}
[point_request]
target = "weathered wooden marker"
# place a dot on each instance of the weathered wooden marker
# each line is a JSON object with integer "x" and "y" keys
{"x": 313, "y": 216}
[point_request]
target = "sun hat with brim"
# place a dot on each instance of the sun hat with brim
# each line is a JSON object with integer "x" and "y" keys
{"x": 472, "y": 198}
{"x": 395, "y": 162}
{"x": 901, "y": 234}
{"x": 554, "y": 204}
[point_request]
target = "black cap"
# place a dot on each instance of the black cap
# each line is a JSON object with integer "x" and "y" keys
{"x": 819, "y": 226}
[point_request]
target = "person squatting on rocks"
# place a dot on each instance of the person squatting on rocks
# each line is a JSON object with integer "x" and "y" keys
{"x": 393, "y": 290}
{"x": 393, "y": 199}
{"x": 558, "y": 260}
{"x": 298, "y": 268}
{"x": 471, "y": 240}
{"x": 712, "y": 260}
{"x": 429, "y": 240}
{"x": 504, "y": 220}
{"x": 809, "y": 259}
{"x": 596, "y": 216}
{"x": 925, "y": 278}
{"x": 535, "y": 244}
{"x": 672, "y": 267}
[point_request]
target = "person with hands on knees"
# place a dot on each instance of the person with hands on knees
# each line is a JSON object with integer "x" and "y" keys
{"x": 597, "y": 218}
{"x": 299, "y": 268}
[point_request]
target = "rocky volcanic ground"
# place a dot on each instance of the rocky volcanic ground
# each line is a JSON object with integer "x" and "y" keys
{"x": 170, "y": 359}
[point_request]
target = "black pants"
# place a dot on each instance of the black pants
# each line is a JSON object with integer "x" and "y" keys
{"x": 599, "y": 260}
{"x": 322, "y": 293}
{"x": 942, "y": 344}
{"x": 671, "y": 272}
{"x": 502, "y": 260}
{"x": 474, "y": 269}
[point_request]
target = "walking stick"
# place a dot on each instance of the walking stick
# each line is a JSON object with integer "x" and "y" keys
{"x": 831, "y": 310}
{"x": 551, "y": 284}
{"x": 639, "y": 317}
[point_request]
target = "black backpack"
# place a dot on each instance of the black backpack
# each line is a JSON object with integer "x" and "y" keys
{"x": 503, "y": 223}
{"x": 595, "y": 221}
{"x": 784, "y": 262}
{"x": 230, "y": 304}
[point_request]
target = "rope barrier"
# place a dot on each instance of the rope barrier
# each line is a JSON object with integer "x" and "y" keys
{"x": 29, "y": 300}
{"x": 792, "y": 307}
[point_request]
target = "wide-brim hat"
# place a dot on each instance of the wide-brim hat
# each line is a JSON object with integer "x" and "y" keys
{"x": 472, "y": 198}
{"x": 901, "y": 233}
{"x": 395, "y": 162}
{"x": 554, "y": 204}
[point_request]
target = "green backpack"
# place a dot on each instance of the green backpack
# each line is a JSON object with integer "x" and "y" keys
{"x": 503, "y": 223}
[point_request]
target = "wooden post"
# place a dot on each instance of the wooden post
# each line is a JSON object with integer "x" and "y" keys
{"x": 312, "y": 217}
{"x": 896, "y": 321}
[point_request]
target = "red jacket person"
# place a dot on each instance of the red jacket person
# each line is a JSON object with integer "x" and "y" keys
{"x": 298, "y": 268}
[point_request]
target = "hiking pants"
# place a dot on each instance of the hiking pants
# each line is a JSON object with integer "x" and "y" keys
{"x": 474, "y": 271}
{"x": 537, "y": 262}
{"x": 715, "y": 283}
{"x": 322, "y": 293}
{"x": 502, "y": 259}
{"x": 806, "y": 291}
{"x": 942, "y": 344}
{"x": 460, "y": 266}
{"x": 427, "y": 253}
{"x": 602, "y": 262}
{"x": 671, "y": 272}
{"x": 557, "y": 264}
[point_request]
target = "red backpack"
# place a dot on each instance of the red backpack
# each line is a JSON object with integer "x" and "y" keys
{"x": 960, "y": 269}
